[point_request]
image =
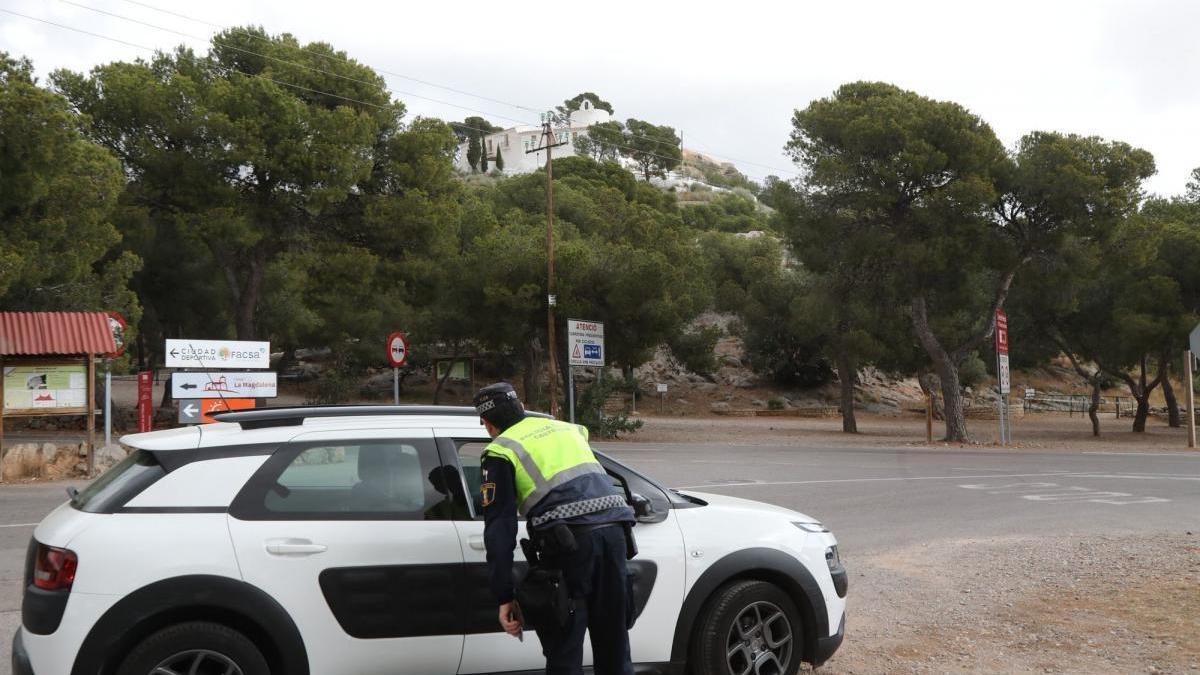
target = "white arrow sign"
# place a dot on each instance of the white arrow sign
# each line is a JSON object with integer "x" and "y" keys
{"x": 217, "y": 354}
{"x": 189, "y": 412}
{"x": 224, "y": 385}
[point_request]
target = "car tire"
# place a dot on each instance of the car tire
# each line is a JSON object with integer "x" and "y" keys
{"x": 748, "y": 628}
{"x": 177, "y": 648}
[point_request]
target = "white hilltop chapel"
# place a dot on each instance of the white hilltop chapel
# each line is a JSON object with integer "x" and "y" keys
{"x": 514, "y": 143}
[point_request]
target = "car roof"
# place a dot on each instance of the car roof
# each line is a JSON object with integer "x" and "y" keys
{"x": 277, "y": 425}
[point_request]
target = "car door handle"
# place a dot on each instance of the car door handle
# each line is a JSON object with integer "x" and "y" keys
{"x": 294, "y": 547}
{"x": 476, "y": 542}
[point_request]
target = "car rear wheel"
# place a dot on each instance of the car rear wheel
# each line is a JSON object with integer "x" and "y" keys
{"x": 748, "y": 628}
{"x": 195, "y": 648}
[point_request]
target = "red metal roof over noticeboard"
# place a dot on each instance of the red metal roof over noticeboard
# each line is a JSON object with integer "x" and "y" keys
{"x": 55, "y": 334}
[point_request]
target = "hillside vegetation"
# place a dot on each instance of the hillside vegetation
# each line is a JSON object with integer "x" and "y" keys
{"x": 269, "y": 189}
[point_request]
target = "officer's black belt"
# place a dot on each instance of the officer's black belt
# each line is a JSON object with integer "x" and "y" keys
{"x": 584, "y": 529}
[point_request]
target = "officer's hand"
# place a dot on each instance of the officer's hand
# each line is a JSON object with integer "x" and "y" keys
{"x": 510, "y": 619}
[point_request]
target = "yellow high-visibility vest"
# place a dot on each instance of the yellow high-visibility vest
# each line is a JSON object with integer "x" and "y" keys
{"x": 544, "y": 455}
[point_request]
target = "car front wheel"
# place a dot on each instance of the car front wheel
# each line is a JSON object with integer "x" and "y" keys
{"x": 748, "y": 628}
{"x": 195, "y": 648}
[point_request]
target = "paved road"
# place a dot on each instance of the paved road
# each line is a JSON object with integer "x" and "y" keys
{"x": 874, "y": 499}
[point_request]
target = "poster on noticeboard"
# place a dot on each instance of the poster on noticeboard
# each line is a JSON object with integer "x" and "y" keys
{"x": 45, "y": 388}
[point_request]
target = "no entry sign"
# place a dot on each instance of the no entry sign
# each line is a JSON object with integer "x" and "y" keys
{"x": 397, "y": 346}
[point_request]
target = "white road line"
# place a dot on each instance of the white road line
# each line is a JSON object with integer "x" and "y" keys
{"x": 20, "y": 525}
{"x": 862, "y": 480}
{"x": 1129, "y": 476}
{"x": 1181, "y": 453}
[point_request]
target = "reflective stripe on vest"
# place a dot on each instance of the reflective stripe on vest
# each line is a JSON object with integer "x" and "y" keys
{"x": 544, "y": 454}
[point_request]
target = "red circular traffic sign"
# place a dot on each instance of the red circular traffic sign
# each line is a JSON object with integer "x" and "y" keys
{"x": 397, "y": 346}
{"x": 116, "y": 323}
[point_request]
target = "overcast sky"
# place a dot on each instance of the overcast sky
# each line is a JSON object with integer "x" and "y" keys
{"x": 728, "y": 77}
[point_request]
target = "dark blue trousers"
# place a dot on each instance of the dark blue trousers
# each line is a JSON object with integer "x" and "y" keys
{"x": 597, "y": 578}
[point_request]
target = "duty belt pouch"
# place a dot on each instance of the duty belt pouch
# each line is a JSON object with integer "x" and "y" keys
{"x": 631, "y": 549}
{"x": 545, "y": 601}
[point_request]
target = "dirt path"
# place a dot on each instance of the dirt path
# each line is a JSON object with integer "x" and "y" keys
{"x": 1042, "y": 431}
{"x": 1062, "y": 605}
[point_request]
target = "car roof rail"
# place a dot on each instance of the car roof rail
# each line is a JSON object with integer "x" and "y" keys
{"x": 295, "y": 415}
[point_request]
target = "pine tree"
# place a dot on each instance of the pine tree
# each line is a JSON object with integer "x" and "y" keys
{"x": 473, "y": 151}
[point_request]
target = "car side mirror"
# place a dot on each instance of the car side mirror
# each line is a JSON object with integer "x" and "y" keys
{"x": 641, "y": 506}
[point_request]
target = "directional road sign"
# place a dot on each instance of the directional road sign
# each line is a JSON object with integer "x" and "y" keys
{"x": 189, "y": 411}
{"x": 217, "y": 354}
{"x": 397, "y": 347}
{"x": 224, "y": 385}
{"x": 585, "y": 343}
{"x": 216, "y": 406}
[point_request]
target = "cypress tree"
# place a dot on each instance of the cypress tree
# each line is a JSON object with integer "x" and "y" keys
{"x": 483, "y": 156}
{"x": 473, "y": 151}
{"x": 499, "y": 160}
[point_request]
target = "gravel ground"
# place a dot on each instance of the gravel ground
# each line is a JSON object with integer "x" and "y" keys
{"x": 1027, "y": 605}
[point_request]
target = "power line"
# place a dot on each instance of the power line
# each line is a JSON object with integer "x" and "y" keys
{"x": 218, "y": 41}
{"x": 518, "y": 106}
{"x": 227, "y": 69}
{"x": 334, "y": 58}
{"x": 292, "y": 85}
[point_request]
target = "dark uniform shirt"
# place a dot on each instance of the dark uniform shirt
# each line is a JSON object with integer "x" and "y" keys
{"x": 499, "y": 491}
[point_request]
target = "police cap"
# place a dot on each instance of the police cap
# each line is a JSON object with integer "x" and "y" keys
{"x": 499, "y": 404}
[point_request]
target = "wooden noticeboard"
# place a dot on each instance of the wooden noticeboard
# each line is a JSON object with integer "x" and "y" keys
{"x": 38, "y": 388}
{"x": 48, "y": 387}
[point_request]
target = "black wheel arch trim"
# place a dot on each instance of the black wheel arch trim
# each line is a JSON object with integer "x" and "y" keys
{"x": 236, "y": 603}
{"x": 765, "y": 564}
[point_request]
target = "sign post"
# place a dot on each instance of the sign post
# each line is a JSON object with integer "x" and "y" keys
{"x": 585, "y": 347}
{"x": 662, "y": 396}
{"x": 145, "y": 401}
{"x": 397, "y": 347}
{"x": 571, "y": 392}
{"x": 1002, "y": 374}
{"x": 1189, "y": 399}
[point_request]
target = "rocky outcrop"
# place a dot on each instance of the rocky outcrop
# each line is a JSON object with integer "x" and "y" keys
{"x": 53, "y": 461}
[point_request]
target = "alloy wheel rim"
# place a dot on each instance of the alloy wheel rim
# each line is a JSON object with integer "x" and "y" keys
{"x": 760, "y": 641}
{"x": 197, "y": 662}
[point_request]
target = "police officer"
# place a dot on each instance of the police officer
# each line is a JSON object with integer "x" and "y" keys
{"x": 544, "y": 470}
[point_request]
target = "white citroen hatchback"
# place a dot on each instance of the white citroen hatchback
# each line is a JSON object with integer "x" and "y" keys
{"x": 348, "y": 541}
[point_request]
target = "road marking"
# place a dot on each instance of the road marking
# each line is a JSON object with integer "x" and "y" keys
{"x": 20, "y": 525}
{"x": 1181, "y": 453}
{"x": 1063, "y": 493}
{"x": 864, "y": 480}
{"x": 1134, "y": 476}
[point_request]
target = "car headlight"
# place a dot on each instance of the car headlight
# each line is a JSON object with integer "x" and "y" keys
{"x": 811, "y": 526}
{"x": 832, "y": 558}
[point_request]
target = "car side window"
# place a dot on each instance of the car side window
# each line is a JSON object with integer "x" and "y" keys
{"x": 469, "y": 458}
{"x": 381, "y": 479}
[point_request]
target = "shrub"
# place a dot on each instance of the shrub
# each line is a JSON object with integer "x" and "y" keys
{"x": 694, "y": 349}
{"x": 589, "y": 410}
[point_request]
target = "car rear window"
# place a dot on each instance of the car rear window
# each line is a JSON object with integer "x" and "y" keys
{"x": 128, "y": 478}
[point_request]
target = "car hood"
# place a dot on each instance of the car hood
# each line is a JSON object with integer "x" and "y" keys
{"x": 726, "y": 502}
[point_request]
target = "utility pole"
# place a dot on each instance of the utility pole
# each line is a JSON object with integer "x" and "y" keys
{"x": 551, "y": 298}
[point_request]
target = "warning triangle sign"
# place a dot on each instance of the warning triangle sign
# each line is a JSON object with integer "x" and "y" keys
{"x": 575, "y": 354}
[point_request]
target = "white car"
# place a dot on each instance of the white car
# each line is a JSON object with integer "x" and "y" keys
{"x": 348, "y": 540}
